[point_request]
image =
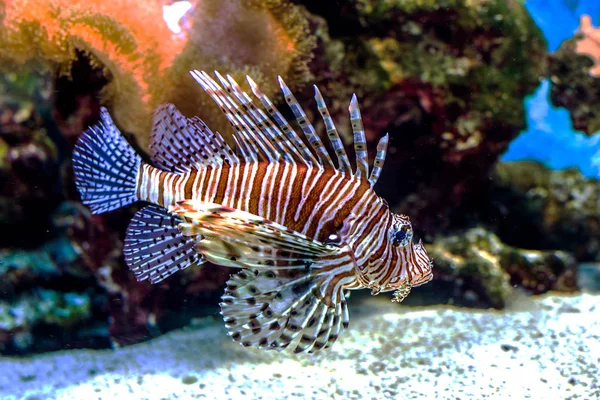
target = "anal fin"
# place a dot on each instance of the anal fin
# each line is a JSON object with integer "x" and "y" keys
{"x": 155, "y": 248}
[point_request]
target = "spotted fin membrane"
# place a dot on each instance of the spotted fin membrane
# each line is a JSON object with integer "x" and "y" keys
{"x": 276, "y": 309}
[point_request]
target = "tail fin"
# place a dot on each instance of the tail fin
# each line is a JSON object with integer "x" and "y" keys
{"x": 105, "y": 166}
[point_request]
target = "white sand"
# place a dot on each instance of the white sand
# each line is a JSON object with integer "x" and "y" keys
{"x": 551, "y": 350}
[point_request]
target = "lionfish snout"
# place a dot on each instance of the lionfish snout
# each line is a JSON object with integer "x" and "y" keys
{"x": 422, "y": 267}
{"x": 418, "y": 272}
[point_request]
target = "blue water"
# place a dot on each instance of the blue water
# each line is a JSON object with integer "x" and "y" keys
{"x": 550, "y": 137}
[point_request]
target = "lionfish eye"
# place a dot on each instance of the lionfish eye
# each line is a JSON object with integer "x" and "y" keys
{"x": 402, "y": 236}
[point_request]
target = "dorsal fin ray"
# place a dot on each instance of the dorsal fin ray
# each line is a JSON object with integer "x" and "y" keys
{"x": 166, "y": 140}
{"x": 216, "y": 141}
{"x": 360, "y": 142}
{"x": 305, "y": 125}
{"x": 379, "y": 159}
{"x": 332, "y": 134}
{"x": 247, "y": 121}
{"x": 264, "y": 134}
{"x": 256, "y": 145}
{"x": 276, "y": 137}
{"x": 307, "y": 157}
{"x": 247, "y": 151}
{"x": 246, "y": 148}
{"x": 178, "y": 144}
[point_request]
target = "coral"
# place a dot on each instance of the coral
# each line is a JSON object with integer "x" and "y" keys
{"x": 573, "y": 86}
{"x": 55, "y": 259}
{"x": 261, "y": 38}
{"x": 468, "y": 271}
{"x": 446, "y": 79}
{"x": 76, "y": 282}
{"x": 147, "y": 67}
{"x": 113, "y": 33}
{"x": 50, "y": 288}
{"x": 474, "y": 268}
{"x": 589, "y": 44}
{"x": 540, "y": 271}
{"x": 75, "y": 98}
{"x": 534, "y": 207}
{"x": 41, "y": 307}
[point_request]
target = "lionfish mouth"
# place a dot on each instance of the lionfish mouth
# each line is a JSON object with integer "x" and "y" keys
{"x": 424, "y": 278}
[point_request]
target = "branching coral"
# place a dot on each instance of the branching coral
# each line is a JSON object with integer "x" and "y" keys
{"x": 589, "y": 44}
{"x": 147, "y": 63}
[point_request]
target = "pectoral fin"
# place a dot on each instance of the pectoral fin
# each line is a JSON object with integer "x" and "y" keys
{"x": 236, "y": 238}
{"x": 277, "y": 309}
{"x": 291, "y": 293}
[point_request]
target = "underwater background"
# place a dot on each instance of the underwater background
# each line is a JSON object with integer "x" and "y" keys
{"x": 493, "y": 112}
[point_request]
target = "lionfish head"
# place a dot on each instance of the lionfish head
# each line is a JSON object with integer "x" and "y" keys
{"x": 414, "y": 267}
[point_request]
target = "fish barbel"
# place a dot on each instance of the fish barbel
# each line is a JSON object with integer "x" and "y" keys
{"x": 303, "y": 228}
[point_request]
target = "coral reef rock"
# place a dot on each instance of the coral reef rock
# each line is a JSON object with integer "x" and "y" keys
{"x": 28, "y": 157}
{"x": 574, "y": 86}
{"x": 476, "y": 269}
{"x": 49, "y": 298}
{"x": 446, "y": 79}
{"x": 534, "y": 207}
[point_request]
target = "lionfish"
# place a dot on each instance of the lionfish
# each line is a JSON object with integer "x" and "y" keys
{"x": 303, "y": 229}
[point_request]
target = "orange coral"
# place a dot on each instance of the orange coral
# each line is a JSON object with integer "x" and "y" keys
{"x": 589, "y": 45}
{"x": 148, "y": 64}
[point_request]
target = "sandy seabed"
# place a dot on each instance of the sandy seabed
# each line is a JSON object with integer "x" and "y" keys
{"x": 545, "y": 348}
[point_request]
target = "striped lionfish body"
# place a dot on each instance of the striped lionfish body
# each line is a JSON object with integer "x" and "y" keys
{"x": 302, "y": 228}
